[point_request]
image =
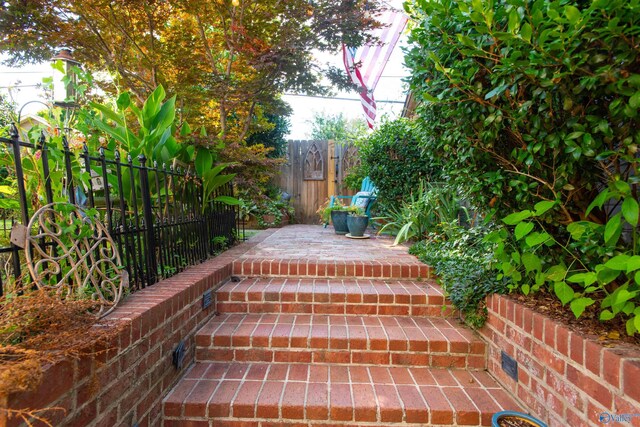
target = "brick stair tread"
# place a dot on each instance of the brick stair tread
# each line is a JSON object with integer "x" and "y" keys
{"x": 333, "y": 296}
{"x": 264, "y": 394}
{"x": 402, "y": 267}
{"x": 351, "y": 339}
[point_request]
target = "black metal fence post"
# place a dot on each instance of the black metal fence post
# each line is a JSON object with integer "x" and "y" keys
{"x": 22, "y": 194}
{"x": 147, "y": 212}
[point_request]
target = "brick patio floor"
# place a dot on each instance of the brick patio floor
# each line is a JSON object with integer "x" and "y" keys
{"x": 319, "y": 329}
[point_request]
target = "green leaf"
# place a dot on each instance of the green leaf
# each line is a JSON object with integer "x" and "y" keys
{"x": 228, "y": 200}
{"x": 9, "y": 204}
{"x": 526, "y": 289}
{"x": 535, "y": 238}
{"x": 203, "y": 161}
{"x": 563, "y": 291}
{"x": 522, "y": 229}
{"x": 613, "y": 230}
{"x": 515, "y": 218}
{"x": 623, "y": 187}
{"x": 606, "y": 315}
{"x": 631, "y": 327}
{"x": 634, "y": 100}
{"x": 585, "y": 278}
{"x": 556, "y": 273}
{"x": 572, "y": 13}
{"x": 606, "y": 275}
{"x": 574, "y": 135}
{"x": 636, "y": 322}
{"x": 531, "y": 262}
{"x": 496, "y": 91}
{"x": 429, "y": 97}
{"x": 578, "y": 305}
{"x": 620, "y": 298}
{"x": 123, "y": 101}
{"x": 151, "y": 106}
{"x": 514, "y": 20}
{"x": 165, "y": 116}
{"x": 185, "y": 130}
{"x": 630, "y": 210}
{"x": 543, "y": 207}
{"x": 576, "y": 229}
{"x": 526, "y": 31}
{"x": 618, "y": 262}
{"x": 598, "y": 201}
{"x": 108, "y": 113}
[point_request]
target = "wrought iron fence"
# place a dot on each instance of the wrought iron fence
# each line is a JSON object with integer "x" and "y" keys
{"x": 157, "y": 215}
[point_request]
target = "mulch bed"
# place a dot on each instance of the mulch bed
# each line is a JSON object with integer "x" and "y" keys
{"x": 514, "y": 422}
{"x": 609, "y": 333}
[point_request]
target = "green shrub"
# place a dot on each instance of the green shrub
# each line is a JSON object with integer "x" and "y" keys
{"x": 532, "y": 107}
{"x": 393, "y": 158}
{"x": 462, "y": 261}
{"x": 425, "y": 210}
{"x": 529, "y": 100}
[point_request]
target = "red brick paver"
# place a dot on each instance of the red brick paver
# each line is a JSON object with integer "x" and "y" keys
{"x": 389, "y": 340}
{"x": 352, "y": 396}
{"x": 320, "y": 330}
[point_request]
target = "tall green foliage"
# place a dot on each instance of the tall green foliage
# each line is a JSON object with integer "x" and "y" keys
{"x": 533, "y": 108}
{"x": 529, "y": 100}
{"x": 394, "y": 159}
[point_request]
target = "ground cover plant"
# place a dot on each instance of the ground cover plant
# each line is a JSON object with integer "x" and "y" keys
{"x": 532, "y": 108}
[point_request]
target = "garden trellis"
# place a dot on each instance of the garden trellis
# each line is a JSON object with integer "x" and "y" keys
{"x": 154, "y": 213}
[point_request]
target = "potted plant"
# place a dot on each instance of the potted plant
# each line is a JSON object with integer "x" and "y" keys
{"x": 357, "y": 223}
{"x": 336, "y": 214}
{"x": 515, "y": 419}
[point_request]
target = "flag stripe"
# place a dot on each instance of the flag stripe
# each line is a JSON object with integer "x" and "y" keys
{"x": 371, "y": 59}
{"x": 366, "y": 99}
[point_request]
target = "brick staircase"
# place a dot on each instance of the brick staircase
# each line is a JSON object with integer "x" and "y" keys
{"x": 295, "y": 350}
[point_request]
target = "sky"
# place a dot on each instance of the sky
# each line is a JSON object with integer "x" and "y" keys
{"x": 22, "y": 83}
{"x": 390, "y": 88}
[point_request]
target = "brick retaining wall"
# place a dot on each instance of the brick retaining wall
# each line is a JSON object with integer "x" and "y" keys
{"x": 125, "y": 385}
{"x": 564, "y": 378}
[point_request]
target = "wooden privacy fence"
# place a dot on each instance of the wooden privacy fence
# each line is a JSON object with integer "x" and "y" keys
{"x": 314, "y": 171}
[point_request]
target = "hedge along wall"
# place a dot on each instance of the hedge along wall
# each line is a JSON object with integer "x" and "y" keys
{"x": 126, "y": 384}
{"x": 564, "y": 378}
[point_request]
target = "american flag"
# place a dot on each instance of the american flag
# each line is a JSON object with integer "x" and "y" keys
{"x": 365, "y": 65}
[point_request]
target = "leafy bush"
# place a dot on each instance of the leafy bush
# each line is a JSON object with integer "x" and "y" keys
{"x": 394, "y": 160}
{"x": 529, "y": 100}
{"x": 426, "y": 209}
{"x": 462, "y": 261}
{"x": 533, "y": 108}
{"x": 593, "y": 261}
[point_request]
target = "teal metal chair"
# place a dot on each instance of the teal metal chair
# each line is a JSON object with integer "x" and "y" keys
{"x": 367, "y": 200}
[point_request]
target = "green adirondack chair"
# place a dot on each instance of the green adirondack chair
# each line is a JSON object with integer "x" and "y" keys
{"x": 366, "y": 200}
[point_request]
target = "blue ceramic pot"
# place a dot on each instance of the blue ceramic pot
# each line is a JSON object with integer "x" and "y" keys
{"x": 534, "y": 422}
{"x": 339, "y": 221}
{"x": 357, "y": 225}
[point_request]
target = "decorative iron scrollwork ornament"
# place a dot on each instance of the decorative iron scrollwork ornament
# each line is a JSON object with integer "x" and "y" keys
{"x": 73, "y": 254}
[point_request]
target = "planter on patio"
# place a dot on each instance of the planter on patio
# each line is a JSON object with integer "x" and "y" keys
{"x": 515, "y": 419}
{"x": 357, "y": 224}
{"x": 339, "y": 221}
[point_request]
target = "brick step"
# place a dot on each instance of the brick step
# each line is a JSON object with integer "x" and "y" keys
{"x": 385, "y": 340}
{"x": 395, "y": 268}
{"x": 333, "y": 296}
{"x": 260, "y": 394}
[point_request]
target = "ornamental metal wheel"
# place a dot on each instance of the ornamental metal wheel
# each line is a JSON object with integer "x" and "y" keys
{"x": 73, "y": 254}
